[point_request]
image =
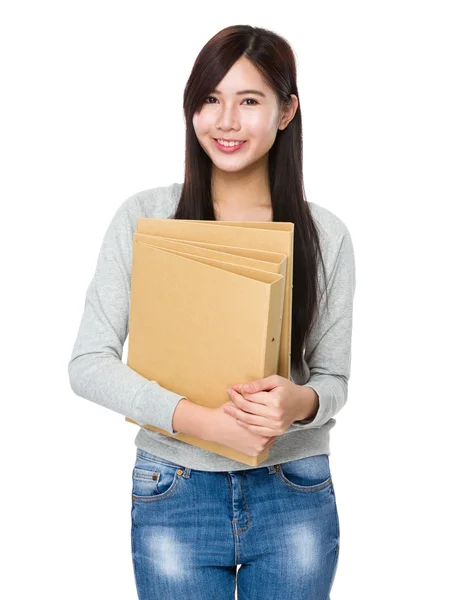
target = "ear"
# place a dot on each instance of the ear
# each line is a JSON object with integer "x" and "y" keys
{"x": 287, "y": 114}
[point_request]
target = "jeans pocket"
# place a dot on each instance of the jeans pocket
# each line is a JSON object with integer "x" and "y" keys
{"x": 310, "y": 474}
{"x": 154, "y": 478}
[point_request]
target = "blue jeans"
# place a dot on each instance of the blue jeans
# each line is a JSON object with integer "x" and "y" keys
{"x": 190, "y": 530}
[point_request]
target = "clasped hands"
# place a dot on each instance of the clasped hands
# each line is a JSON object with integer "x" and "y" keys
{"x": 268, "y": 406}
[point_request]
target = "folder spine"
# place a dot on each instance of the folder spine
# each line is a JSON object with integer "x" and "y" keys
{"x": 274, "y": 326}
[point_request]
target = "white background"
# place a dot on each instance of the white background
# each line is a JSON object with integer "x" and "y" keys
{"x": 91, "y": 114}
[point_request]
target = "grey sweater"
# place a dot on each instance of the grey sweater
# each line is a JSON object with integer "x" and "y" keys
{"x": 97, "y": 373}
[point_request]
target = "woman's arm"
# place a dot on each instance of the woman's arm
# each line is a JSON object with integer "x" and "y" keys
{"x": 328, "y": 350}
{"x": 192, "y": 419}
{"x": 96, "y": 371}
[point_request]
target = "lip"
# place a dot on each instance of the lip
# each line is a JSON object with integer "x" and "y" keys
{"x": 228, "y": 149}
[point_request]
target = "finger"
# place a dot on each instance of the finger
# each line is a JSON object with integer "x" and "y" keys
{"x": 249, "y": 406}
{"x": 245, "y": 418}
{"x": 260, "y": 397}
{"x": 258, "y": 429}
{"x": 248, "y": 418}
{"x": 265, "y": 384}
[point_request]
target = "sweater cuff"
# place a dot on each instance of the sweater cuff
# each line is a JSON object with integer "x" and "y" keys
{"x": 155, "y": 405}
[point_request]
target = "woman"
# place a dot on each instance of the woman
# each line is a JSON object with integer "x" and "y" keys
{"x": 197, "y": 515}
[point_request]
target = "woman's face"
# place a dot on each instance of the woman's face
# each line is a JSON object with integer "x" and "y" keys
{"x": 252, "y": 118}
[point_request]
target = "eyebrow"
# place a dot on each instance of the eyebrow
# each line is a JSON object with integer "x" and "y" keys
{"x": 244, "y": 92}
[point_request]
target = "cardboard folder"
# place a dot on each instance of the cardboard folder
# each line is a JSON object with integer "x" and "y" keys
{"x": 262, "y": 235}
{"x": 257, "y": 259}
{"x": 215, "y": 297}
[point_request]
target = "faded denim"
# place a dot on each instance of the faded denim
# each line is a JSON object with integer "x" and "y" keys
{"x": 191, "y": 529}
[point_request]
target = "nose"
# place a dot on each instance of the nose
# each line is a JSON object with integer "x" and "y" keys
{"x": 228, "y": 118}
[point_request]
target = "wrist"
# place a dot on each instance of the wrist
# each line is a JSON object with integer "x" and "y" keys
{"x": 192, "y": 419}
{"x": 308, "y": 404}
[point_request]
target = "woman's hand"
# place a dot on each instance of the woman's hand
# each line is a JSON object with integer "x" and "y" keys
{"x": 223, "y": 429}
{"x": 268, "y": 406}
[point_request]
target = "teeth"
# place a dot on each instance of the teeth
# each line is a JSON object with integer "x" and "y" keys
{"x": 223, "y": 143}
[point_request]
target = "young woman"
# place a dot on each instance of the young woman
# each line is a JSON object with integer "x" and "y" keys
{"x": 196, "y": 516}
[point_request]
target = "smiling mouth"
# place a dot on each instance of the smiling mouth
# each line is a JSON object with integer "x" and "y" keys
{"x": 229, "y": 142}
{"x": 229, "y": 147}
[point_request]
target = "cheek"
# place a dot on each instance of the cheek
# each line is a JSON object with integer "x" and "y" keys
{"x": 263, "y": 127}
{"x": 264, "y": 138}
{"x": 200, "y": 124}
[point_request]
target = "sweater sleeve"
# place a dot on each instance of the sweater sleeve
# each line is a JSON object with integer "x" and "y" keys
{"x": 96, "y": 371}
{"x": 328, "y": 350}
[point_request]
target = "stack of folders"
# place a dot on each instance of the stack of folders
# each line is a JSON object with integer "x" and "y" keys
{"x": 210, "y": 307}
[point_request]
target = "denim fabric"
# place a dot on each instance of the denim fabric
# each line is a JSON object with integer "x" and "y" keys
{"x": 191, "y": 529}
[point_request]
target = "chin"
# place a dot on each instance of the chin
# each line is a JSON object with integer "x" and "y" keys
{"x": 232, "y": 168}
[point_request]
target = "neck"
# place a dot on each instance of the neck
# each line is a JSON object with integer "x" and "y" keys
{"x": 249, "y": 189}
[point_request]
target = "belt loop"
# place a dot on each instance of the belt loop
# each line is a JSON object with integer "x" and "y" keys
{"x": 186, "y": 473}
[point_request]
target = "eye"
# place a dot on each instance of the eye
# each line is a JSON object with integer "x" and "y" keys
{"x": 213, "y": 98}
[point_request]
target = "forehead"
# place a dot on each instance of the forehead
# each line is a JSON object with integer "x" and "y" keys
{"x": 241, "y": 76}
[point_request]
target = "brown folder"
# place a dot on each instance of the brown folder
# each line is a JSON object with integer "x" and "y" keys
{"x": 261, "y": 235}
{"x": 257, "y": 259}
{"x": 216, "y": 301}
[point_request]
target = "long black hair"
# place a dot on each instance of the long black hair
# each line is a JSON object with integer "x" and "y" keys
{"x": 274, "y": 58}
